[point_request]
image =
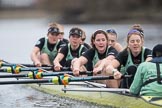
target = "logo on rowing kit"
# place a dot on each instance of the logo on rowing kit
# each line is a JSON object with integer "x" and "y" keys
{"x": 38, "y": 42}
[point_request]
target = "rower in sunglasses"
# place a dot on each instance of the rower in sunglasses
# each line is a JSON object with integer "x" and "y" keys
{"x": 46, "y": 48}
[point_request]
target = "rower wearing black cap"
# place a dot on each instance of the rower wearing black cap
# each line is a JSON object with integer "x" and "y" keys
{"x": 46, "y": 48}
{"x": 72, "y": 50}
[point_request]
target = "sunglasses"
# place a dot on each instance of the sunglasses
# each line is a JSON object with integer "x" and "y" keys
{"x": 54, "y": 34}
{"x": 62, "y": 33}
{"x": 75, "y": 36}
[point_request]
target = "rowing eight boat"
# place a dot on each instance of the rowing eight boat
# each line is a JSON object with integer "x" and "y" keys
{"x": 102, "y": 96}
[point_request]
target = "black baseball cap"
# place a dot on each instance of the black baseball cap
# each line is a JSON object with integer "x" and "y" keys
{"x": 76, "y": 31}
{"x": 53, "y": 30}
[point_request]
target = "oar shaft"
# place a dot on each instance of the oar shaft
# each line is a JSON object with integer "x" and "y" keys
{"x": 3, "y": 70}
{"x": 90, "y": 78}
{"x": 32, "y": 65}
{"x": 54, "y": 80}
{"x": 46, "y": 68}
{"x": 43, "y": 74}
{"x": 27, "y": 65}
{"x": 25, "y": 81}
{"x": 34, "y": 68}
{"x": 13, "y": 75}
{"x": 56, "y": 73}
{"x": 58, "y": 80}
{"x": 39, "y": 75}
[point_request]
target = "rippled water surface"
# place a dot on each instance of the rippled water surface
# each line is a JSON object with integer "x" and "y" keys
{"x": 19, "y": 96}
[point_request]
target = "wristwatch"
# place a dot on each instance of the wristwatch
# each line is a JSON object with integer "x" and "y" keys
{"x": 114, "y": 70}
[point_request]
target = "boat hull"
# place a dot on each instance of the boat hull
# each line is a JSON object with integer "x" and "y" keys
{"x": 101, "y": 98}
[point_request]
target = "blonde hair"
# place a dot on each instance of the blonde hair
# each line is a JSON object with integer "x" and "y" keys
{"x": 59, "y": 26}
{"x": 84, "y": 34}
{"x": 52, "y": 25}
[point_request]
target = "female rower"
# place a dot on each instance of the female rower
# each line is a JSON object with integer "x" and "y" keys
{"x": 112, "y": 35}
{"x": 132, "y": 55}
{"x": 46, "y": 48}
{"x": 99, "y": 51}
{"x": 73, "y": 50}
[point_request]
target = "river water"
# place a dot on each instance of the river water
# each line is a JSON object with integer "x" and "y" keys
{"x": 17, "y": 38}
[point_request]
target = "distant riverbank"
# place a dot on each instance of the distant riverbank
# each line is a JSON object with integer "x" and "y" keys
{"x": 22, "y": 14}
{"x": 55, "y": 17}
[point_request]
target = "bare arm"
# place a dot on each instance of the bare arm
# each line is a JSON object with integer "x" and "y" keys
{"x": 102, "y": 63}
{"x": 56, "y": 62}
{"x": 77, "y": 64}
{"x": 111, "y": 69}
{"x": 118, "y": 47}
{"x": 35, "y": 56}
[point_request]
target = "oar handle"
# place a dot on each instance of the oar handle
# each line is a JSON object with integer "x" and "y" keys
{"x": 85, "y": 73}
{"x": 65, "y": 69}
{"x": 89, "y": 73}
{"x": 32, "y": 65}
